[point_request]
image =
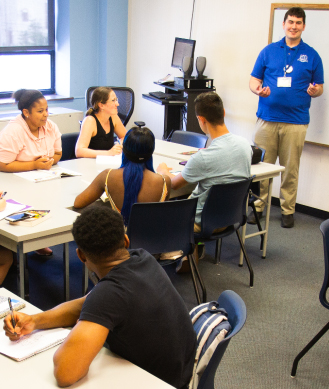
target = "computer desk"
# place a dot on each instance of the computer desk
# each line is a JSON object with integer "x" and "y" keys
{"x": 106, "y": 370}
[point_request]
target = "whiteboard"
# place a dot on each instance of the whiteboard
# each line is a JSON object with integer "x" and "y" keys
{"x": 316, "y": 35}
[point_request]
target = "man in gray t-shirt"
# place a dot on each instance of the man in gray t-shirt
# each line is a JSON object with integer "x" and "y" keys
{"x": 227, "y": 159}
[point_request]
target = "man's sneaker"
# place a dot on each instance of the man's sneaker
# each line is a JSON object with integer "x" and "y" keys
{"x": 251, "y": 217}
{"x": 287, "y": 221}
{"x": 201, "y": 250}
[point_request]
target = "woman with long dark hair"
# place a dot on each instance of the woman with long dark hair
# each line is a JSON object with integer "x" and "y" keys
{"x": 134, "y": 182}
{"x": 99, "y": 126}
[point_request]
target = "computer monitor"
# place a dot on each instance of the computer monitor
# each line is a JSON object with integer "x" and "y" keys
{"x": 183, "y": 48}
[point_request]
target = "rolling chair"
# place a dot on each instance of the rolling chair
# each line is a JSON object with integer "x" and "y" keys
{"x": 324, "y": 228}
{"x": 68, "y": 145}
{"x": 225, "y": 206}
{"x": 237, "y": 314}
{"x": 188, "y": 138}
{"x": 126, "y": 99}
{"x": 165, "y": 227}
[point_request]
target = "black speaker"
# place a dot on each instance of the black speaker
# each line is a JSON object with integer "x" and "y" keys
{"x": 200, "y": 65}
{"x": 187, "y": 66}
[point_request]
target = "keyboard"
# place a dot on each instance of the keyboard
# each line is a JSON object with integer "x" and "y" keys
{"x": 161, "y": 95}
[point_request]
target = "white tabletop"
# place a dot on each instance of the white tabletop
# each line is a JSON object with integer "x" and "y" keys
{"x": 106, "y": 371}
{"x": 172, "y": 150}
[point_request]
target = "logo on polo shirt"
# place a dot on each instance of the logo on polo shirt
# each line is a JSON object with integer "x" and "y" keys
{"x": 303, "y": 58}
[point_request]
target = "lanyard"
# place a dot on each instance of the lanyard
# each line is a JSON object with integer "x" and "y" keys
{"x": 286, "y": 64}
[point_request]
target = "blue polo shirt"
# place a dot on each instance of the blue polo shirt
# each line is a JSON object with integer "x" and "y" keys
{"x": 287, "y": 105}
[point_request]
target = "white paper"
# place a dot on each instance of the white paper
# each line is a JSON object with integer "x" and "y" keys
{"x": 45, "y": 175}
{"x": 111, "y": 161}
{"x": 12, "y": 207}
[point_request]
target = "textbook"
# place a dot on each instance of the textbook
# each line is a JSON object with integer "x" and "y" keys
{"x": 46, "y": 175}
{"x": 34, "y": 343}
{"x": 37, "y": 217}
{"x": 4, "y": 306}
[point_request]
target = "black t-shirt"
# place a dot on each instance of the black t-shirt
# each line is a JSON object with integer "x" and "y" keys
{"x": 102, "y": 140}
{"x": 148, "y": 321}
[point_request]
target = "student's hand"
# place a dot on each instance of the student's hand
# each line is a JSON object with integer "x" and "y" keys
{"x": 2, "y": 202}
{"x": 263, "y": 92}
{"x": 24, "y": 325}
{"x": 115, "y": 150}
{"x": 163, "y": 169}
{"x": 44, "y": 163}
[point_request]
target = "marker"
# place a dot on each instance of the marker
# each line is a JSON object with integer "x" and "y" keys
{"x": 12, "y": 315}
{"x": 3, "y": 195}
{"x": 313, "y": 83}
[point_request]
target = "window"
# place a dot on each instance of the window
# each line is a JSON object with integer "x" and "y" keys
{"x": 27, "y": 46}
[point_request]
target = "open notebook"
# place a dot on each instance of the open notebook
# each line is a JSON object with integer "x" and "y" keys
{"x": 4, "y": 306}
{"x": 32, "y": 344}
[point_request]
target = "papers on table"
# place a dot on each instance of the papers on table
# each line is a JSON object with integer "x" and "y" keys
{"x": 46, "y": 175}
{"x": 4, "y": 306}
{"x": 32, "y": 344}
{"x": 111, "y": 161}
{"x": 12, "y": 206}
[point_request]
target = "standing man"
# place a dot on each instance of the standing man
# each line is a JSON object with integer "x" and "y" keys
{"x": 285, "y": 77}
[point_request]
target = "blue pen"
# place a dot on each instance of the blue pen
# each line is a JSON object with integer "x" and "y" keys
{"x": 313, "y": 83}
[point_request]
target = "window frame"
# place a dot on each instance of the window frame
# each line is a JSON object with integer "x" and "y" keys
{"x": 34, "y": 50}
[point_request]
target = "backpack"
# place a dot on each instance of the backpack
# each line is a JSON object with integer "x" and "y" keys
{"x": 211, "y": 326}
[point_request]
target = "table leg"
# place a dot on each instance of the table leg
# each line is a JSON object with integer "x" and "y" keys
{"x": 267, "y": 220}
{"x": 21, "y": 259}
{"x": 66, "y": 263}
{"x": 243, "y": 235}
{"x": 84, "y": 279}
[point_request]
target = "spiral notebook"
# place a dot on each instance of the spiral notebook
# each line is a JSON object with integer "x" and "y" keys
{"x": 4, "y": 306}
{"x": 32, "y": 344}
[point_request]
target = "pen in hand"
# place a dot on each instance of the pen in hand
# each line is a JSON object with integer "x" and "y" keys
{"x": 12, "y": 315}
{"x": 3, "y": 195}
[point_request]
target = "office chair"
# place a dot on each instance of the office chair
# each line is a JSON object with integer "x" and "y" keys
{"x": 324, "y": 228}
{"x": 237, "y": 314}
{"x": 68, "y": 145}
{"x": 254, "y": 193}
{"x": 126, "y": 98}
{"x": 225, "y": 207}
{"x": 165, "y": 227}
{"x": 188, "y": 138}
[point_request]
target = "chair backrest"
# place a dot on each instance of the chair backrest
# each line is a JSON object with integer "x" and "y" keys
{"x": 68, "y": 145}
{"x": 189, "y": 138}
{"x": 126, "y": 98}
{"x": 163, "y": 227}
{"x": 324, "y": 228}
{"x": 237, "y": 314}
{"x": 225, "y": 206}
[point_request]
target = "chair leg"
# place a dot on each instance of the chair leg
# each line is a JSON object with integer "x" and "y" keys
{"x": 26, "y": 278}
{"x": 306, "y": 348}
{"x": 258, "y": 225}
{"x": 251, "y": 282}
{"x": 218, "y": 251}
{"x": 195, "y": 272}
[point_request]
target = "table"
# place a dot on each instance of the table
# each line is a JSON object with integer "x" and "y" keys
{"x": 172, "y": 150}
{"x": 106, "y": 370}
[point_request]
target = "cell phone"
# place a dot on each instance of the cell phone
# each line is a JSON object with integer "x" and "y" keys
{"x": 18, "y": 217}
{"x": 183, "y": 163}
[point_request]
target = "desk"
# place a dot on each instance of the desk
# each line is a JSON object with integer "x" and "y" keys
{"x": 106, "y": 370}
{"x": 172, "y": 150}
{"x": 173, "y": 113}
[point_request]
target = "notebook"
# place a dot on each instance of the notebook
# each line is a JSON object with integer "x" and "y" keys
{"x": 32, "y": 344}
{"x": 4, "y": 306}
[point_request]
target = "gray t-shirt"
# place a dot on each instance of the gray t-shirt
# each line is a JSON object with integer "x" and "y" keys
{"x": 227, "y": 159}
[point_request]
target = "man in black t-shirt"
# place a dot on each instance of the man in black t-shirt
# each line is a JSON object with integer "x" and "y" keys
{"x": 134, "y": 308}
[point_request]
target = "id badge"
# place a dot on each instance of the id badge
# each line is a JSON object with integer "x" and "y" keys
{"x": 284, "y": 82}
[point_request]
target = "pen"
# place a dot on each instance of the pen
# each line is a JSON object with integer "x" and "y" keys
{"x": 12, "y": 315}
{"x": 313, "y": 83}
{"x": 3, "y": 195}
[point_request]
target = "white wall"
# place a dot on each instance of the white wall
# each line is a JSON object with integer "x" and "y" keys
{"x": 230, "y": 34}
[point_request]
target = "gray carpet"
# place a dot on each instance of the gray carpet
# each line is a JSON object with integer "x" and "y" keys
{"x": 283, "y": 307}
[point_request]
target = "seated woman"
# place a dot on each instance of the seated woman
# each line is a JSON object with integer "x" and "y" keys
{"x": 99, "y": 126}
{"x": 134, "y": 182}
{"x": 30, "y": 141}
{"x": 6, "y": 256}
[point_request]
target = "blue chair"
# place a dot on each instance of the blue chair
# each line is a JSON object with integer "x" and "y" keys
{"x": 324, "y": 228}
{"x": 68, "y": 145}
{"x": 166, "y": 227}
{"x": 225, "y": 207}
{"x": 189, "y": 138}
{"x": 126, "y": 98}
{"x": 237, "y": 314}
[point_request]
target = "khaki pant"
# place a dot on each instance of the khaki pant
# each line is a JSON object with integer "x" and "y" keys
{"x": 285, "y": 141}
